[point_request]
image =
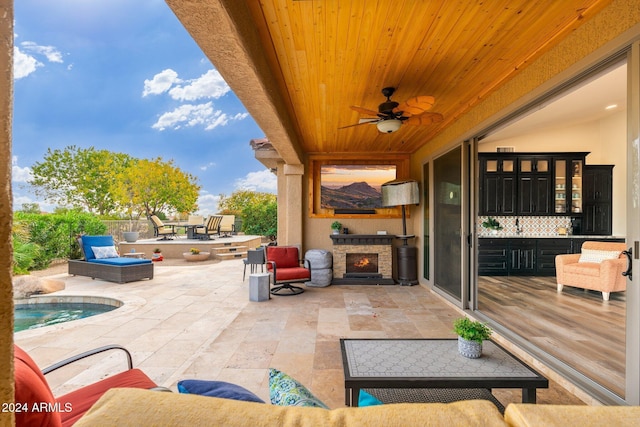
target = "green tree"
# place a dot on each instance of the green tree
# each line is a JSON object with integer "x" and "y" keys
{"x": 259, "y": 211}
{"x": 79, "y": 177}
{"x": 148, "y": 186}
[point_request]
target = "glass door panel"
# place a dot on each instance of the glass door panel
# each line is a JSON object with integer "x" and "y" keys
{"x": 447, "y": 180}
{"x": 576, "y": 186}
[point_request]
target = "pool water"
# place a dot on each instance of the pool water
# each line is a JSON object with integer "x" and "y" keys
{"x": 31, "y": 316}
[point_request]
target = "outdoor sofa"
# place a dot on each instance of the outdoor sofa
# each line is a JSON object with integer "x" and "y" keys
{"x": 134, "y": 407}
{"x": 101, "y": 261}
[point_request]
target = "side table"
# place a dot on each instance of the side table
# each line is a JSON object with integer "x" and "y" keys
{"x": 133, "y": 255}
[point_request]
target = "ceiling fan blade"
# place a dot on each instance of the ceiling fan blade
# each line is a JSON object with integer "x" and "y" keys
{"x": 416, "y": 105}
{"x": 361, "y": 122}
{"x": 424, "y": 119}
{"x": 364, "y": 110}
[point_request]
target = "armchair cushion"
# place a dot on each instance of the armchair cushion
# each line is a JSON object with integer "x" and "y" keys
{"x": 88, "y": 242}
{"x": 31, "y": 389}
{"x": 283, "y": 256}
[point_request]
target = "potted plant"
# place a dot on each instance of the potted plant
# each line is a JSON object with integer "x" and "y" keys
{"x": 471, "y": 333}
{"x": 492, "y": 224}
{"x": 157, "y": 255}
{"x": 195, "y": 254}
{"x": 336, "y": 226}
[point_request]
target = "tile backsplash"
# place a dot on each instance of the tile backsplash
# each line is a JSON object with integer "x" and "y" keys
{"x": 529, "y": 225}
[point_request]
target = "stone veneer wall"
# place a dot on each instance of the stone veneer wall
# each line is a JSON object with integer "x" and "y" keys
{"x": 384, "y": 258}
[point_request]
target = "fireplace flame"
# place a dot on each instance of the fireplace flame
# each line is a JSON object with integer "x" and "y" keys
{"x": 362, "y": 262}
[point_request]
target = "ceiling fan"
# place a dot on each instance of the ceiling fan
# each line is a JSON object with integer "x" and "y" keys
{"x": 391, "y": 115}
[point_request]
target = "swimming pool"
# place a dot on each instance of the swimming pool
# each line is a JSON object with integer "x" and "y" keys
{"x": 36, "y": 314}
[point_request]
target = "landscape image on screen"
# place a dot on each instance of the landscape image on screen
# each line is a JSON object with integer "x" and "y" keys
{"x": 353, "y": 186}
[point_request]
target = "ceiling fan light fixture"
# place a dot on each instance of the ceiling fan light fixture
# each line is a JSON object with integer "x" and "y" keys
{"x": 389, "y": 126}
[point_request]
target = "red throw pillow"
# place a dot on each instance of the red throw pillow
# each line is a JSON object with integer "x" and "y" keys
{"x": 34, "y": 401}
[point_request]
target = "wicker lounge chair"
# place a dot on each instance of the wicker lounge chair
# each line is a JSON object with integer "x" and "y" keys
{"x": 113, "y": 269}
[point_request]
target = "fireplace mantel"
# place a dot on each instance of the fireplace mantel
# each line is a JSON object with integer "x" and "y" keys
{"x": 362, "y": 239}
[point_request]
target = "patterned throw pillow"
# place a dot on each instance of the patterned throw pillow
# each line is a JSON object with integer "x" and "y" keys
{"x": 596, "y": 256}
{"x": 102, "y": 252}
{"x": 285, "y": 391}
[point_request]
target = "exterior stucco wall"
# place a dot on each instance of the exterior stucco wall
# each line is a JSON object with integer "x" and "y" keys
{"x": 6, "y": 252}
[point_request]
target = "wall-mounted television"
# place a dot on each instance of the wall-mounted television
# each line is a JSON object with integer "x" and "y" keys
{"x": 353, "y": 187}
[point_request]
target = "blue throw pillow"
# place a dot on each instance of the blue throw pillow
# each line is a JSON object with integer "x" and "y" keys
{"x": 365, "y": 399}
{"x": 285, "y": 391}
{"x": 217, "y": 389}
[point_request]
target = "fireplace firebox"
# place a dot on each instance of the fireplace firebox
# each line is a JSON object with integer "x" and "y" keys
{"x": 362, "y": 265}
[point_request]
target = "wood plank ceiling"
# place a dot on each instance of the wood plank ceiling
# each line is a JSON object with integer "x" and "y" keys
{"x": 329, "y": 55}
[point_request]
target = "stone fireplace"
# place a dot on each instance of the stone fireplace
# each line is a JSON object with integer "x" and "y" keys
{"x": 362, "y": 259}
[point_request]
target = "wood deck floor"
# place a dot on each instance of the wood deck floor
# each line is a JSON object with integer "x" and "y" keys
{"x": 576, "y": 326}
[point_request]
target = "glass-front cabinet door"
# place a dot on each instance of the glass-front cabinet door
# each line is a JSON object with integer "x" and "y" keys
{"x": 560, "y": 187}
{"x": 568, "y": 186}
{"x": 576, "y": 186}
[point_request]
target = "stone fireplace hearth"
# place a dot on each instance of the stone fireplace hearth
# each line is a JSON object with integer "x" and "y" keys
{"x": 362, "y": 259}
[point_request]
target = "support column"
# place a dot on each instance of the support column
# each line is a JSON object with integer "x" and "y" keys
{"x": 6, "y": 251}
{"x": 290, "y": 204}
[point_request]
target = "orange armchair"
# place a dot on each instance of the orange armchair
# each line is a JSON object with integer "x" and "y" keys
{"x": 285, "y": 264}
{"x": 598, "y": 267}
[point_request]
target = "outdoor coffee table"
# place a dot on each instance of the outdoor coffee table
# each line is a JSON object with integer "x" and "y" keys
{"x": 432, "y": 364}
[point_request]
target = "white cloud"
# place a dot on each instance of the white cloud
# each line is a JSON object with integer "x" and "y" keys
{"x": 207, "y": 166}
{"x": 209, "y": 85}
{"x": 190, "y": 115}
{"x": 24, "y": 64}
{"x": 25, "y": 60}
{"x": 51, "y": 53}
{"x": 160, "y": 83}
{"x": 19, "y": 174}
{"x": 207, "y": 204}
{"x": 263, "y": 180}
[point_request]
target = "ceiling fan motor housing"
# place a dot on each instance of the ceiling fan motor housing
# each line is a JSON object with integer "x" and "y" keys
{"x": 387, "y": 107}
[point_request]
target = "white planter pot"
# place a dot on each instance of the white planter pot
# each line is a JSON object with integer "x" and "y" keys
{"x": 202, "y": 256}
{"x": 470, "y": 349}
{"x": 130, "y": 236}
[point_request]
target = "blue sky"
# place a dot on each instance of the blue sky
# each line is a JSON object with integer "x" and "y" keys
{"x": 125, "y": 76}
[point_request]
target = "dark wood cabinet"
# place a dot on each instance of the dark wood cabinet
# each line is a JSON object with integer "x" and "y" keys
{"x": 492, "y": 257}
{"x": 598, "y": 190}
{"x": 534, "y": 185}
{"x": 546, "y": 251}
{"x": 498, "y": 186}
{"x": 531, "y": 183}
{"x": 522, "y": 257}
{"x": 526, "y": 256}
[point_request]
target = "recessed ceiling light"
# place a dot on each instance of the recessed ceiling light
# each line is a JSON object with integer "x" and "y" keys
{"x": 611, "y": 107}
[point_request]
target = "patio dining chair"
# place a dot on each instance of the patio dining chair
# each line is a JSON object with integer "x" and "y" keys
{"x": 211, "y": 228}
{"x": 255, "y": 258}
{"x": 162, "y": 230}
{"x": 32, "y": 389}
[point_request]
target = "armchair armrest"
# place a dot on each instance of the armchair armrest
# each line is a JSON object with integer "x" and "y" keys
{"x": 86, "y": 354}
